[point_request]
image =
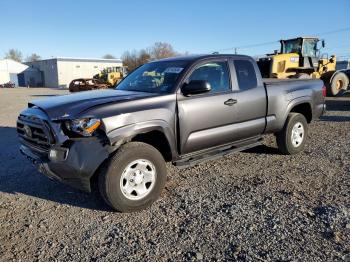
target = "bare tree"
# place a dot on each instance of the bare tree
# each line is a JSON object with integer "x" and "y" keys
{"x": 108, "y": 56}
{"x": 14, "y": 54}
{"x": 33, "y": 57}
{"x": 162, "y": 50}
{"x": 130, "y": 60}
{"x": 135, "y": 58}
{"x": 144, "y": 57}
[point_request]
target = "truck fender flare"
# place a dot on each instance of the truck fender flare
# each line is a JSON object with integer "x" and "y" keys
{"x": 124, "y": 134}
{"x": 293, "y": 103}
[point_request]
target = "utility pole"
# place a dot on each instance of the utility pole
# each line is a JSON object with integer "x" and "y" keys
{"x": 235, "y": 50}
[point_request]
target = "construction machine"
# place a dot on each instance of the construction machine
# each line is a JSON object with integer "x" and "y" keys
{"x": 111, "y": 75}
{"x": 301, "y": 58}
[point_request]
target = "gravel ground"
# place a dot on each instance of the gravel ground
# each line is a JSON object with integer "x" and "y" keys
{"x": 256, "y": 205}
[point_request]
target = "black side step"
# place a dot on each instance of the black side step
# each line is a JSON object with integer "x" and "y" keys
{"x": 192, "y": 161}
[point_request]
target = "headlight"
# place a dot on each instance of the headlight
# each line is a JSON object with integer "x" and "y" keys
{"x": 84, "y": 127}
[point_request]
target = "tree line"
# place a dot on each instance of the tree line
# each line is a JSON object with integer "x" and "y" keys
{"x": 131, "y": 59}
{"x": 17, "y": 55}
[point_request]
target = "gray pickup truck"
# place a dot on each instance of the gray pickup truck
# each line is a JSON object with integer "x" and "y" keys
{"x": 181, "y": 110}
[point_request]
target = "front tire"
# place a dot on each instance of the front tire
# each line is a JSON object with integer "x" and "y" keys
{"x": 292, "y": 138}
{"x": 133, "y": 178}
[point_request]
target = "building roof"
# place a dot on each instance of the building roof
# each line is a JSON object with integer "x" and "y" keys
{"x": 11, "y": 66}
{"x": 79, "y": 59}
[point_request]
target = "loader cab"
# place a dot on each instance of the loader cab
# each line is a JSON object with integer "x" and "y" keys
{"x": 303, "y": 46}
{"x": 306, "y": 48}
{"x": 117, "y": 69}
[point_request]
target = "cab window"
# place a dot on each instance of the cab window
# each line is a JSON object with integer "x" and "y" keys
{"x": 246, "y": 75}
{"x": 215, "y": 73}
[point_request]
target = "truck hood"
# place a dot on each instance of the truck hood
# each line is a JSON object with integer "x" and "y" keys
{"x": 70, "y": 106}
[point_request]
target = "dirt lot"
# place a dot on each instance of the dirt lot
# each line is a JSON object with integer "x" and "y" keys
{"x": 256, "y": 205}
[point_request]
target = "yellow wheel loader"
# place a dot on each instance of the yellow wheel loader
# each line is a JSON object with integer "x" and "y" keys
{"x": 111, "y": 75}
{"x": 300, "y": 58}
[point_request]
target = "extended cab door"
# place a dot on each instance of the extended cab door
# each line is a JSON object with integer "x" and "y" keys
{"x": 205, "y": 120}
{"x": 250, "y": 93}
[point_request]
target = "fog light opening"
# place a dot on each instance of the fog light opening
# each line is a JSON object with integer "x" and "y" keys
{"x": 58, "y": 154}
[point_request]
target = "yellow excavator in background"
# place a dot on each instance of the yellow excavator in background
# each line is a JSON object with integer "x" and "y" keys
{"x": 111, "y": 75}
{"x": 300, "y": 58}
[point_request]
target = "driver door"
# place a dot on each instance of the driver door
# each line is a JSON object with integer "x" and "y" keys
{"x": 206, "y": 120}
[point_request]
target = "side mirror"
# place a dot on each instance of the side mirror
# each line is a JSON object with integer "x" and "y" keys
{"x": 195, "y": 87}
{"x": 323, "y": 43}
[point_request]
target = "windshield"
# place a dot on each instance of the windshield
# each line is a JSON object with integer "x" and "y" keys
{"x": 156, "y": 77}
{"x": 292, "y": 46}
{"x": 310, "y": 47}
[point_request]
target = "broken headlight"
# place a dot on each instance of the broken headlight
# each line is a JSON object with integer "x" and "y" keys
{"x": 84, "y": 126}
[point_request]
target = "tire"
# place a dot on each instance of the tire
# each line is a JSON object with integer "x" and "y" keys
{"x": 132, "y": 168}
{"x": 289, "y": 143}
{"x": 301, "y": 76}
{"x": 339, "y": 84}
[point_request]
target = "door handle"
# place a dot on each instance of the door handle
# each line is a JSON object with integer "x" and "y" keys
{"x": 230, "y": 102}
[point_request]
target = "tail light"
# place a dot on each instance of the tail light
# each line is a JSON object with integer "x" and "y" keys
{"x": 324, "y": 91}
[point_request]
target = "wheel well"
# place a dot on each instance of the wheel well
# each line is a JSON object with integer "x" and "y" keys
{"x": 304, "y": 109}
{"x": 158, "y": 140}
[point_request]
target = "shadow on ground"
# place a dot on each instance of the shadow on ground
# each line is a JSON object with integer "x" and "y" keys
{"x": 263, "y": 149}
{"x": 43, "y": 95}
{"x": 18, "y": 176}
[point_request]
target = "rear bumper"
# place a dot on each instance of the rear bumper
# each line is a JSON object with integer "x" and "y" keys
{"x": 73, "y": 165}
{"x": 319, "y": 111}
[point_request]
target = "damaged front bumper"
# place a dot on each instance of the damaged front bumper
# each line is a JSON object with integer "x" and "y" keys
{"x": 73, "y": 164}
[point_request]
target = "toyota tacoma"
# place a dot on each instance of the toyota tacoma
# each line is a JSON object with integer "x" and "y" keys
{"x": 182, "y": 110}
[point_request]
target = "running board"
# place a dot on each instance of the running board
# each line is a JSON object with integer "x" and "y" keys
{"x": 192, "y": 161}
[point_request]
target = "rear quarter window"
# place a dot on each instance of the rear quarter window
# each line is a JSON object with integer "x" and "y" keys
{"x": 246, "y": 75}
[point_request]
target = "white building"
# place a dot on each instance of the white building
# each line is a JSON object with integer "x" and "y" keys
{"x": 9, "y": 70}
{"x": 60, "y": 71}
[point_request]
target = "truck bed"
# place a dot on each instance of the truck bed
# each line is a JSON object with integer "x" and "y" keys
{"x": 276, "y": 81}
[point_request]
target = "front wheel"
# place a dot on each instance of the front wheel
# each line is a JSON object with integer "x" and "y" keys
{"x": 291, "y": 139}
{"x": 133, "y": 178}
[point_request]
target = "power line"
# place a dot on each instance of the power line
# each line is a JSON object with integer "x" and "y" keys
{"x": 235, "y": 48}
{"x": 338, "y": 46}
{"x": 334, "y": 31}
{"x": 247, "y": 46}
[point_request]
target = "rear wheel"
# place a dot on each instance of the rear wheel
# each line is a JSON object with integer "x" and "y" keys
{"x": 133, "y": 178}
{"x": 339, "y": 84}
{"x": 291, "y": 139}
{"x": 301, "y": 76}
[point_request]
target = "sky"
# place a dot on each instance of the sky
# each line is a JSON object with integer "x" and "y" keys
{"x": 92, "y": 29}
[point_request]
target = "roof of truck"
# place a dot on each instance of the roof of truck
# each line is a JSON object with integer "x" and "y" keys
{"x": 199, "y": 57}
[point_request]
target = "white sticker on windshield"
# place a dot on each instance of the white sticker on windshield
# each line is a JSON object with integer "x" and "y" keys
{"x": 173, "y": 70}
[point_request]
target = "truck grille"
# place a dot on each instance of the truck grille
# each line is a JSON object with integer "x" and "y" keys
{"x": 35, "y": 133}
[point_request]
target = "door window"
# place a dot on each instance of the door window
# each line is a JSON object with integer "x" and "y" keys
{"x": 215, "y": 73}
{"x": 246, "y": 75}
